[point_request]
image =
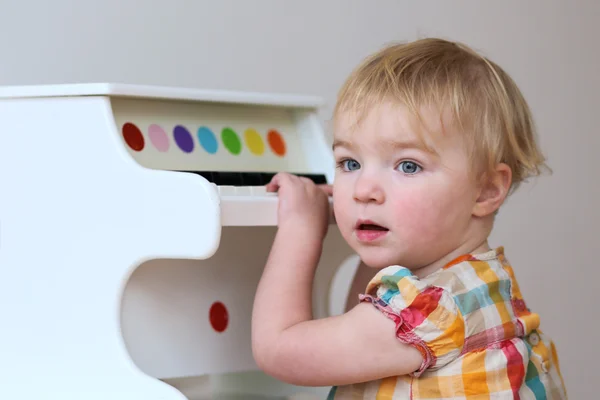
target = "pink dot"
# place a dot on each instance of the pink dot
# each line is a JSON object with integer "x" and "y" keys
{"x": 158, "y": 137}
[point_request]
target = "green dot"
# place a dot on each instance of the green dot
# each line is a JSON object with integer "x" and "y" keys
{"x": 231, "y": 141}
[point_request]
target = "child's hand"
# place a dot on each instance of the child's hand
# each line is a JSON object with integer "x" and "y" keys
{"x": 302, "y": 203}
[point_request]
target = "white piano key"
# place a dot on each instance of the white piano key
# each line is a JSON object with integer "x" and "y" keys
{"x": 243, "y": 190}
{"x": 227, "y": 190}
{"x": 259, "y": 190}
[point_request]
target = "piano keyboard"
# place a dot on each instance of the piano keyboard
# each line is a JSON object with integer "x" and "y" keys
{"x": 247, "y": 183}
{"x": 221, "y": 178}
{"x": 244, "y": 198}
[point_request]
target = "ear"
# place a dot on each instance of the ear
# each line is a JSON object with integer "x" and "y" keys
{"x": 493, "y": 191}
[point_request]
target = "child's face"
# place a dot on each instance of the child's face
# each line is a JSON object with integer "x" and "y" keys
{"x": 384, "y": 177}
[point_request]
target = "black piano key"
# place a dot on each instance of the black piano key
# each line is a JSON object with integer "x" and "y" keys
{"x": 227, "y": 178}
{"x": 266, "y": 177}
{"x": 206, "y": 174}
{"x": 251, "y": 179}
{"x": 316, "y": 178}
{"x": 232, "y": 178}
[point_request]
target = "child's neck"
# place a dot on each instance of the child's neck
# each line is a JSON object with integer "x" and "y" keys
{"x": 476, "y": 243}
{"x": 422, "y": 272}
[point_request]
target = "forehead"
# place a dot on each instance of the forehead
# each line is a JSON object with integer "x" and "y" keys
{"x": 388, "y": 124}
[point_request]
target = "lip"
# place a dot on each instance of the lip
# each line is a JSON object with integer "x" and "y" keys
{"x": 369, "y": 235}
{"x": 366, "y": 222}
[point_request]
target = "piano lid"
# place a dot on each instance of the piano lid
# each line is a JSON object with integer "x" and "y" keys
{"x": 160, "y": 92}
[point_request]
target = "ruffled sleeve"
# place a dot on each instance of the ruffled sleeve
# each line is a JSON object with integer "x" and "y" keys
{"x": 426, "y": 316}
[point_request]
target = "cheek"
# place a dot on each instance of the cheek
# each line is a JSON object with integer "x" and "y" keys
{"x": 343, "y": 206}
{"x": 342, "y": 200}
{"x": 428, "y": 212}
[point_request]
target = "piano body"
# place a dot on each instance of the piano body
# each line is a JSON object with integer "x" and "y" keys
{"x": 134, "y": 227}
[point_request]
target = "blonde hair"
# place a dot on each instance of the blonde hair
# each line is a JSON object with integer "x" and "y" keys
{"x": 485, "y": 102}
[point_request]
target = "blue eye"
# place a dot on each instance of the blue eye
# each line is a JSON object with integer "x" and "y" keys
{"x": 350, "y": 165}
{"x": 409, "y": 167}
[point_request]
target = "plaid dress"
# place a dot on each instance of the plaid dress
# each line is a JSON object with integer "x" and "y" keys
{"x": 477, "y": 337}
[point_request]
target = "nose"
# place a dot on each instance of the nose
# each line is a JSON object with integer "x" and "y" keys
{"x": 368, "y": 189}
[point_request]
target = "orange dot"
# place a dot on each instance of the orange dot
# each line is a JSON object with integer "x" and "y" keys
{"x": 276, "y": 142}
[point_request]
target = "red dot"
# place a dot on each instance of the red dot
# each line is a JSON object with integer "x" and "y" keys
{"x": 219, "y": 318}
{"x": 276, "y": 142}
{"x": 133, "y": 136}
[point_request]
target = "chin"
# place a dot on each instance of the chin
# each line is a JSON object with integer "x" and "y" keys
{"x": 375, "y": 259}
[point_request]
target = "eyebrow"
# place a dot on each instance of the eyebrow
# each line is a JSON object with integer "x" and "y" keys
{"x": 340, "y": 143}
{"x": 390, "y": 144}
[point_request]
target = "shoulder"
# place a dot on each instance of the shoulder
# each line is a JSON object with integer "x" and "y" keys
{"x": 425, "y": 315}
{"x": 396, "y": 288}
{"x": 476, "y": 279}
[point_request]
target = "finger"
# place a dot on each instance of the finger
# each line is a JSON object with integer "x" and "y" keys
{"x": 273, "y": 185}
{"x": 277, "y": 181}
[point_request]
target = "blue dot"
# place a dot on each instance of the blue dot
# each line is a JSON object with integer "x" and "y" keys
{"x": 207, "y": 139}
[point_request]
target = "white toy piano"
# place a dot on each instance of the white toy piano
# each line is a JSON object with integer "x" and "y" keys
{"x": 134, "y": 226}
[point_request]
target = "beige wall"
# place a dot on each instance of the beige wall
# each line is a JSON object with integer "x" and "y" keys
{"x": 550, "y": 47}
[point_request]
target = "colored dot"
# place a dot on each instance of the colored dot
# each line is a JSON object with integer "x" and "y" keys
{"x": 276, "y": 142}
{"x": 158, "y": 137}
{"x": 207, "y": 139}
{"x": 231, "y": 141}
{"x": 183, "y": 139}
{"x": 218, "y": 316}
{"x": 254, "y": 141}
{"x": 133, "y": 136}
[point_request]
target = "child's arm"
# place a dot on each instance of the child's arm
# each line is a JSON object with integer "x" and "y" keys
{"x": 287, "y": 343}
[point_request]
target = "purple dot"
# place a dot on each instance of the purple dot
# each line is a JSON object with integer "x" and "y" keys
{"x": 183, "y": 138}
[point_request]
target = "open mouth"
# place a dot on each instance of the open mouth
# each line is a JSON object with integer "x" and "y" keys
{"x": 370, "y": 226}
{"x": 369, "y": 232}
